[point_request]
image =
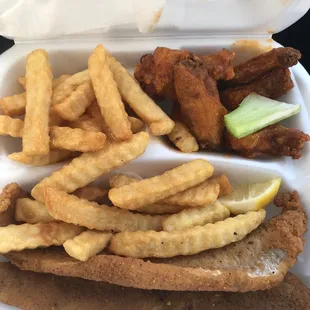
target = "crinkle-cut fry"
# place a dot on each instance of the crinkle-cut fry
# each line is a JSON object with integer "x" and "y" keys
{"x": 64, "y": 89}
{"x": 155, "y": 208}
{"x": 32, "y": 236}
{"x": 13, "y": 127}
{"x": 158, "y": 121}
{"x": 91, "y": 193}
{"x": 16, "y": 105}
{"x": 53, "y": 157}
{"x": 32, "y": 212}
{"x": 39, "y": 80}
{"x": 188, "y": 241}
{"x": 71, "y": 209}
{"x": 72, "y": 107}
{"x": 160, "y": 208}
{"x": 74, "y": 139}
{"x": 199, "y": 195}
{"x": 87, "y": 244}
{"x": 196, "y": 216}
{"x": 9, "y": 194}
{"x": 136, "y": 124}
{"x": 89, "y": 166}
{"x": 183, "y": 139}
{"x": 87, "y": 123}
{"x": 148, "y": 191}
{"x": 223, "y": 182}
{"x": 13, "y": 105}
{"x": 108, "y": 97}
{"x": 22, "y": 81}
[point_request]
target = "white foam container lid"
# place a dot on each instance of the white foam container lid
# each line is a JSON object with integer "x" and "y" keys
{"x": 194, "y": 25}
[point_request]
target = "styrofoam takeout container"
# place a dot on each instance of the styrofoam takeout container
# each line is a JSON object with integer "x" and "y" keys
{"x": 201, "y": 27}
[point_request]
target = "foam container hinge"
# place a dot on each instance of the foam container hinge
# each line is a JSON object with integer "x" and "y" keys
{"x": 71, "y": 56}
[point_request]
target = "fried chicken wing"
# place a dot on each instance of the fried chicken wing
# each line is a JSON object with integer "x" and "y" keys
{"x": 275, "y": 140}
{"x": 282, "y": 57}
{"x": 200, "y": 104}
{"x": 155, "y": 72}
{"x": 273, "y": 84}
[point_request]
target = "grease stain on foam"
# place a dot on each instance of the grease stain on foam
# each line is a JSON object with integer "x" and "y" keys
{"x": 246, "y": 49}
{"x": 155, "y": 19}
{"x": 268, "y": 264}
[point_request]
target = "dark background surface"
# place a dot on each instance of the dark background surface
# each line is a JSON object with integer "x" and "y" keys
{"x": 297, "y": 36}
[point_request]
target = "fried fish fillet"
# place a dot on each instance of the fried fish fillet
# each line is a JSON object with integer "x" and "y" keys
{"x": 155, "y": 72}
{"x": 35, "y": 291}
{"x": 259, "y": 261}
{"x": 281, "y": 57}
{"x": 200, "y": 104}
{"x": 275, "y": 140}
{"x": 272, "y": 85}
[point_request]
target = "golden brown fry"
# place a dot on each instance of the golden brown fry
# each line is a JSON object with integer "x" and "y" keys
{"x": 28, "y": 236}
{"x": 199, "y": 195}
{"x": 64, "y": 89}
{"x": 39, "y": 80}
{"x": 71, "y": 209}
{"x": 223, "y": 182}
{"x": 87, "y": 123}
{"x": 89, "y": 166}
{"x": 13, "y": 127}
{"x": 60, "y": 80}
{"x": 91, "y": 193}
{"x": 148, "y": 191}
{"x": 76, "y": 139}
{"x": 87, "y": 244}
{"x": 72, "y": 107}
{"x": 186, "y": 242}
{"x": 14, "y": 105}
{"x": 109, "y": 100}
{"x": 136, "y": 124}
{"x": 22, "y": 81}
{"x": 155, "y": 208}
{"x": 32, "y": 212}
{"x": 54, "y": 156}
{"x": 158, "y": 121}
{"x": 183, "y": 139}
{"x": 197, "y": 216}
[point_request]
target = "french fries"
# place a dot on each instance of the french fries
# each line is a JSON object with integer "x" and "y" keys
{"x": 89, "y": 166}
{"x": 32, "y": 212}
{"x": 199, "y": 195}
{"x": 197, "y": 216}
{"x": 14, "y": 105}
{"x": 136, "y": 124}
{"x": 53, "y": 157}
{"x": 76, "y": 139}
{"x": 182, "y": 138}
{"x": 223, "y": 182}
{"x": 72, "y": 107}
{"x": 158, "y": 121}
{"x": 108, "y": 98}
{"x": 91, "y": 193}
{"x": 13, "y": 127}
{"x": 186, "y": 242}
{"x": 28, "y": 236}
{"x": 155, "y": 208}
{"x": 148, "y": 191}
{"x": 71, "y": 209}
{"x": 87, "y": 123}
{"x": 87, "y": 244}
{"x": 60, "y": 80}
{"x": 64, "y": 89}
{"x": 39, "y": 79}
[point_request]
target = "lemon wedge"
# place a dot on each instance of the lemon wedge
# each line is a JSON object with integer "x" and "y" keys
{"x": 251, "y": 197}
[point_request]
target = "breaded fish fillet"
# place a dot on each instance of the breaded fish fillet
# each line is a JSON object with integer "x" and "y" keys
{"x": 259, "y": 261}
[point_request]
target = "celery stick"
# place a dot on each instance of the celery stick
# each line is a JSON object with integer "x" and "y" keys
{"x": 257, "y": 112}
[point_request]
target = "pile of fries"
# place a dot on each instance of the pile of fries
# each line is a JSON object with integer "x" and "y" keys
{"x": 57, "y": 118}
{"x": 176, "y": 213}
